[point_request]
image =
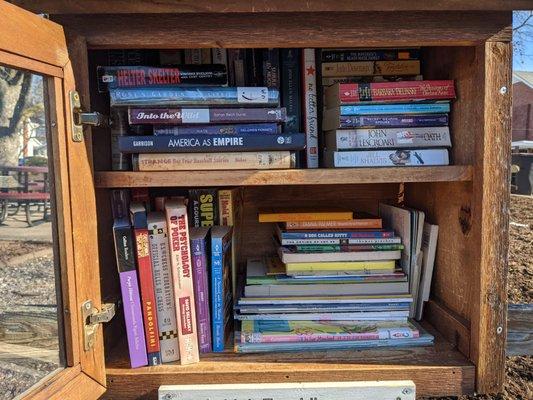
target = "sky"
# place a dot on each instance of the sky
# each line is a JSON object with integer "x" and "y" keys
{"x": 523, "y": 41}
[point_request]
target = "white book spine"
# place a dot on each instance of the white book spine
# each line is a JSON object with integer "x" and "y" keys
{"x": 164, "y": 295}
{"x": 387, "y": 158}
{"x": 310, "y": 107}
{"x": 347, "y": 139}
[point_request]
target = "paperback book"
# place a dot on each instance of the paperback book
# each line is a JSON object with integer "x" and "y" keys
{"x": 203, "y": 207}
{"x": 386, "y": 158}
{"x": 379, "y": 109}
{"x": 340, "y": 55}
{"x": 333, "y": 120}
{"x": 241, "y": 129}
{"x": 365, "y": 68}
{"x": 310, "y": 107}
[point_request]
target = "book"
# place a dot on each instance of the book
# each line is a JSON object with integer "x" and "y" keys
{"x": 271, "y": 68}
{"x": 240, "y": 129}
{"x": 180, "y": 260}
{"x": 395, "y": 92}
{"x": 333, "y": 120}
{"x": 191, "y": 143}
{"x": 164, "y": 293}
{"x": 321, "y": 331}
{"x": 327, "y": 316}
{"x": 362, "y": 68}
{"x": 297, "y": 215}
{"x": 200, "y": 267}
{"x": 146, "y": 282}
{"x": 379, "y": 109}
{"x": 368, "y": 79}
{"x": 213, "y": 161}
{"x": 386, "y": 158}
{"x": 356, "y": 139}
{"x": 351, "y": 300}
{"x": 291, "y": 88}
{"x": 288, "y": 256}
{"x": 236, "y": 57}
{"x": 340, "y": 55}
{"x": 203, "y": 207}
{"x": 118, "y": 128}
{"x": 360, "y": 221}
{"x": 346, "y": 248}
{"x": 198, "y": 56}
{"x": 178, "y": 116}
{"x": 171, "y": 57}
{"x": 129, "y": 287}
{"x": 294, "y": 307}
{"x": 309, "y": 103}
{"x": 200, "y": 95}
{"x": 120, "y": 203}
{"x": 139, "y": 76}
{"x": 221, "y": 291}
{"x": 429, "y": 248}
{"x": 364, "y": 265}
{"x": 219, "y": 56}
{"x": 334, "y": 234}
{"x": 341, "y": 242}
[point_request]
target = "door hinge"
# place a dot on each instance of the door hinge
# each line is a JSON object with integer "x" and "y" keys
{"x": 92, "y": 318}
{"x": 80, "y": 118}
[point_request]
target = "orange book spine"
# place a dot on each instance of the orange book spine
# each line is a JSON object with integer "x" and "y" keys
{"x": 305, "y": 216}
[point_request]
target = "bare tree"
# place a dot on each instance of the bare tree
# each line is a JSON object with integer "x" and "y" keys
{"x": 522, "y": 32}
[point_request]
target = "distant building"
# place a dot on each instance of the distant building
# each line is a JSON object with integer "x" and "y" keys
{"x": 522, "y": 106}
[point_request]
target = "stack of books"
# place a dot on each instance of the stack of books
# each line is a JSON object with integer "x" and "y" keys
{"x": 190, "y": 119}
{"x": 335, "y": 283}
{"x": 378, "y": 111}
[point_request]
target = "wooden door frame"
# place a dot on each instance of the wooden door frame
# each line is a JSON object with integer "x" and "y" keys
{"x": 35, "y": 44}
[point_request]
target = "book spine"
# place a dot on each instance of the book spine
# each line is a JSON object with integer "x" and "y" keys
{"x": 387, "y": 158}
{"x": 225, "y": 207}
{"x": 389, "y": 138}
{"x": 215, "y": 161}
{"x": 217, "y": 295}
{"x": 136, "y": 77}
{"x": 375, "y": 223}
{"x": 271, "y": 68}
{"x": 119, "y": 128}
{"x": 290, "y": 88}
{"x": 253, "y": 67}
{"x": 193, "y": 56}
{"x": 219, "y": 56}
{"x": 333, "y": 69}
{"x": 401, "y": 67}
{"x": 337, "y": 235}
{"x": 240, "y": 129}
{"x": 370, "y": 55}
{"x": 164, "y": 295}
{"x": 393, "y": 121}
{"x": 203, "y": 207}
{"x": 310, "y": 107}
{"x": 368, "y": 79}
{"x": 205, "y": 56}
{"x": 239, "y": 68}
{"x": 349, "y": 93}
{"x": 205, "y": 96}
{"x": 211, "y": 143}
{"x": 180, "y": 259}
{"x": 201, "y": 294}
{"x": 346, "y": 248}
{"x": 179, "y": 116}
{"x": 379, "y": 109}
{"x": 129, "y": 286}
{"x": 148, "y": 296}
{"x": 291, "y": 242}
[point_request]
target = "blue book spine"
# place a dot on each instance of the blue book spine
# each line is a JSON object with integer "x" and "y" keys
{"x": 393, "y": 121}
{"x": 240, "y": 129}
{"x": 378, "y": 109}
{"x": 202, "y": 95}
{"x": 211, "y": 143}
{"x": 337, "y": 235}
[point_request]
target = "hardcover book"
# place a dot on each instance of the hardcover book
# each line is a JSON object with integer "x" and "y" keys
{"x": 203, "y": 207}
{"x": 178, "y": 116}
{"x": 201, "y": 95}
{"x": 221, "y": 290}
{"x": 340, "y": 55}
{"x": 386, "y": 158}
{"x": 137, "y": 76}
{"x": 213, "y": 161}
{"x": 180, "y": 260}
{"x": 240, "y": 129}
{"x": 290, "y": 88}
{"x": 310, "y": 107}
{"x": 199, "y": 249}
{"x": 405, "y": 91}
{"x": 356, "y": 139}
{"x": 365, "y": 68}
{"x": 164, "y": 293}
{"x": 333, "y": 120}
{"x": 201, "y": 143}
{"x": 144, "y": 267}
{"x": 369, "y": 79}
{"x": 129, "y": 286}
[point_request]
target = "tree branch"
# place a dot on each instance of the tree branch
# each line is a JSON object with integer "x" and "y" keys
{"x": 524, "y": 22}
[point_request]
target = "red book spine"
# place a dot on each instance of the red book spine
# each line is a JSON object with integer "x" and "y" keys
{"x": 146, "y": 283}
{"x": 395, "y": 91}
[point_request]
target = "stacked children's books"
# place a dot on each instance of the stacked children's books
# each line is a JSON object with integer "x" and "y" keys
{"x": 335, "y": 283}
{"x": 378, "y": 111}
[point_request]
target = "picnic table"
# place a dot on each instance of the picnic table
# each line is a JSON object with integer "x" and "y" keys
{"x": 24, "y": 186}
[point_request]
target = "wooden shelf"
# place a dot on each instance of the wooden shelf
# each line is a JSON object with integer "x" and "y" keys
{"x": 123, "y": 179}
{"x": 438, "y": 369}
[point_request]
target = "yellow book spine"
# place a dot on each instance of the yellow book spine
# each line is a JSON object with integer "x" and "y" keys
{"x": 339, "y": 266}
{"x": 305, "y": 216}
{"x": 410, "y": 67}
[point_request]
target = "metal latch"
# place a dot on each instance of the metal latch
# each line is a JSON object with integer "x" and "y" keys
{"x": 92, "y": 318}
{"x": 80, "y": 118}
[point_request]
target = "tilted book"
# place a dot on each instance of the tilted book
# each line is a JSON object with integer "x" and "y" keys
{"x": 357, "y": 139}
{"x": 129, "y": 286}
{"x": 200, "y": 95}
{"x": 164, "y": 293}
{"x": 240, "y": 129}
{"x": 381, "y": 92}
{"x": 144, "y": 266}
{"x": 386, "y": 158}
{"x": 340, "y": 55}
{"x": 333, "y": 120}
{"x": 213, "y": 161}
{"x": 310, "y": 107}
{"x": 199, "y": 249}
{"x": 182, "y": 278}
{"x": 191, "y": 143}
{"x": 178, "y": 116}
{"x": 137, "y": 76}
{"x": 221, "y": 290}
{"x": 365, "y": 68}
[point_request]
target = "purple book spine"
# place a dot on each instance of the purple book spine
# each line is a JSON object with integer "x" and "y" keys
{"x": 129, "y": 285}
{"x": 201, "y": 293}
